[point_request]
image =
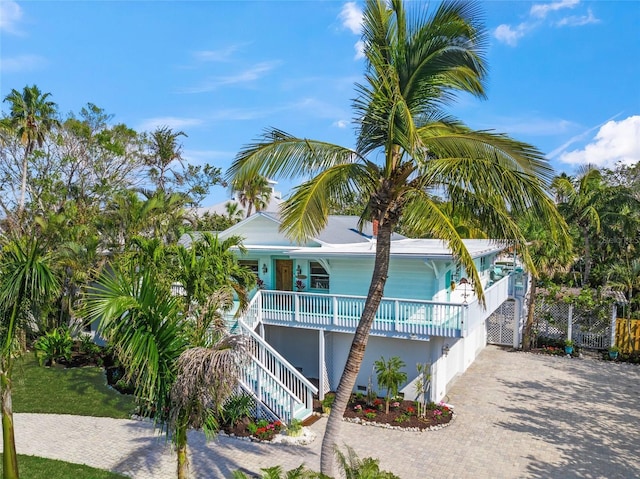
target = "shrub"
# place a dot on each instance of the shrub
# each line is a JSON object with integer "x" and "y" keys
{"x": 390, "y": 377}
{"x": 53, "y": 346}
{"x": 294, "y": 428}
{"x": 236, "y": 408}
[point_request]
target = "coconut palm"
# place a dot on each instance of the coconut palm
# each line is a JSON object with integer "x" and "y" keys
{"x": 253, "y": 191}
{"x": 407, "y": 151}
{"x": 26, "y": 281}
{"x": 32, "y": 116}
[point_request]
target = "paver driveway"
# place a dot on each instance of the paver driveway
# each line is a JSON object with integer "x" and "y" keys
{"x": 518, "y": 416}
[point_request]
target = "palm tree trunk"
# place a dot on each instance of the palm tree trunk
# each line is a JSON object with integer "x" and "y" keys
{"x": 23, "y": 185}
{"x": 9, "y": 457}
{"x": 587, "y": 259}
{"x": 527, "y": 338}
{"x": 181, "y": 449}
{"x": 356, "y": 353}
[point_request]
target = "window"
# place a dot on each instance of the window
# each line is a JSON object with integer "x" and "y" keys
{"x": 483, "y": 263}
{"x": 319, "y": 276}
{"x": 251, "y": 264}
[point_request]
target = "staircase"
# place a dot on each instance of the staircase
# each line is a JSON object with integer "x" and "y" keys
{"x": 280, "y": 390}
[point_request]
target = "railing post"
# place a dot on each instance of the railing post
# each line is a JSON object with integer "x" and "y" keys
{"x": 259, "y": 306}
{"x": 335, "y": 310}
{"x": 296, "y": 307}
{"x": 396, "y": 314}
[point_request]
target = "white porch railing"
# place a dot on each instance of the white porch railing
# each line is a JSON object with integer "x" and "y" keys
{"x": 277, "y": 384}
{"x": 395, "y": 317}
{"x": 494, "y": 295}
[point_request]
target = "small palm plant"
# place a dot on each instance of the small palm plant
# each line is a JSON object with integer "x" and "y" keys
{"x": 390, "y": 377}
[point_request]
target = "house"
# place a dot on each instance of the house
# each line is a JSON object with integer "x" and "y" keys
{"x": 302, "y": 319}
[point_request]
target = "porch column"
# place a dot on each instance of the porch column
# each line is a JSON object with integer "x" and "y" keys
{"x": 321, "y": 364}
{"x": 570, "y": 322}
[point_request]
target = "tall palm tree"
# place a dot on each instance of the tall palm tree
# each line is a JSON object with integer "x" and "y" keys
{"x": 407, "y": 150}
{"x": 32, "y": 116}
{"x": 26, "y": 281}
{"x": 253, "y": 192}
{"x": 583, "y": 200}
{"x": 163, "y": 150}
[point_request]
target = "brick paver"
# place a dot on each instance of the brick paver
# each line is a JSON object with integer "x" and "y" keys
{"x": 518, "y": 416}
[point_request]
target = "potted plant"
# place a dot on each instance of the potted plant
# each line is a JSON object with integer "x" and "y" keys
{"x": 568, "y": 346}
{"x": 327, "y": 402}
{"x": 614, "y": 351}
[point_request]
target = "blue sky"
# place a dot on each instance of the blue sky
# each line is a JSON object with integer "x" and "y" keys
{"x": 563, "y": 75}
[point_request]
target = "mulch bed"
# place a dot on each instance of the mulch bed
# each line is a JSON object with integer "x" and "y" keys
{"x": 403, "y": 416}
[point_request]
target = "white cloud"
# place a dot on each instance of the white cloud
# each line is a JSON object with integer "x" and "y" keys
{"x": 508, "y": 35}
{"x": 340, "y": 123}
{"x": 252, "y": 74}
{"x": 22, "y": 63}
{"x": 351, "y": 17}
{"x": 173, "y": 122}
{"x": 359, "y": 48}
{"x": 540, "y": 10}
{"x": 537, "y": 17}
{"x": 10, "y": 16}
{"x": 578, "y": 21}
{"x": 221, "y": 55}
{"x": 615, "y": 142}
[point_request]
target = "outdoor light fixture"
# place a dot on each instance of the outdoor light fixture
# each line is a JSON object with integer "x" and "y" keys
{"x": 464, "y": 282}
{"x": 445, "y": 349}
{"x": 299, "y": 270}
{"x": 264, "y": 268}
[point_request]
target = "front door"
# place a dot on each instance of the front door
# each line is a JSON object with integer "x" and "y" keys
{"x": 284, "y": 274}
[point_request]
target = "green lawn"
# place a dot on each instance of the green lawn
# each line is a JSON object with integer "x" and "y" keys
{"x": 31, "y": 467}
{"x": 80, "y": 391}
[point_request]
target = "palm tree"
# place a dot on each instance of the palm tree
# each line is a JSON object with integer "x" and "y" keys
{"x": 163, "y": 149}
{"x": 32, "y": 116}
{"x": 549, "y": 256}
{"x": 253, "y": 191}
{"x": 234, "y": 212}
{"x": 26, "y": 281}
{"x": 407, "y": 150}
{"x": 583, "y": 200}
{"x": 177, "y": 352}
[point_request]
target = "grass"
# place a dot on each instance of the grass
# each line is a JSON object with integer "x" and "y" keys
{"x": 79, "y": 391}
{"x": 32, "y": 467}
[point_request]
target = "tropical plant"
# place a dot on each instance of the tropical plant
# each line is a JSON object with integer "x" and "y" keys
{"x": 237, "y": 407}
{"x": 583, "y": 200}
{"x": 253, "y": 192}
{"x": 549, "y": 256}
{"x": 183, "y": 364}
{"x": 408, "y": 152}
{"x": 53, "y": 346}
{"x": 234, "y": 212}
{"x": 163, "y": 150}
{"x": 356, "y": 468}
{"x": 390, "y": 377}
{"x": 32, "y": 116}
{"x": 26, "y": 281}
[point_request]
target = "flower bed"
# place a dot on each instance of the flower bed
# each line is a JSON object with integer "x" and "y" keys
{"x": 402, "y": 414}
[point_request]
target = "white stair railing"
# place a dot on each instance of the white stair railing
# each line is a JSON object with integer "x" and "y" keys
{"x": 270, "y": 377}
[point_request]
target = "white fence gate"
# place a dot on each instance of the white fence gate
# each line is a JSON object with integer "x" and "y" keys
{"x": 502, "y": 323}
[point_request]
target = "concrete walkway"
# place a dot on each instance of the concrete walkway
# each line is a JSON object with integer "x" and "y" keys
{"x": 518, "y": 416}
